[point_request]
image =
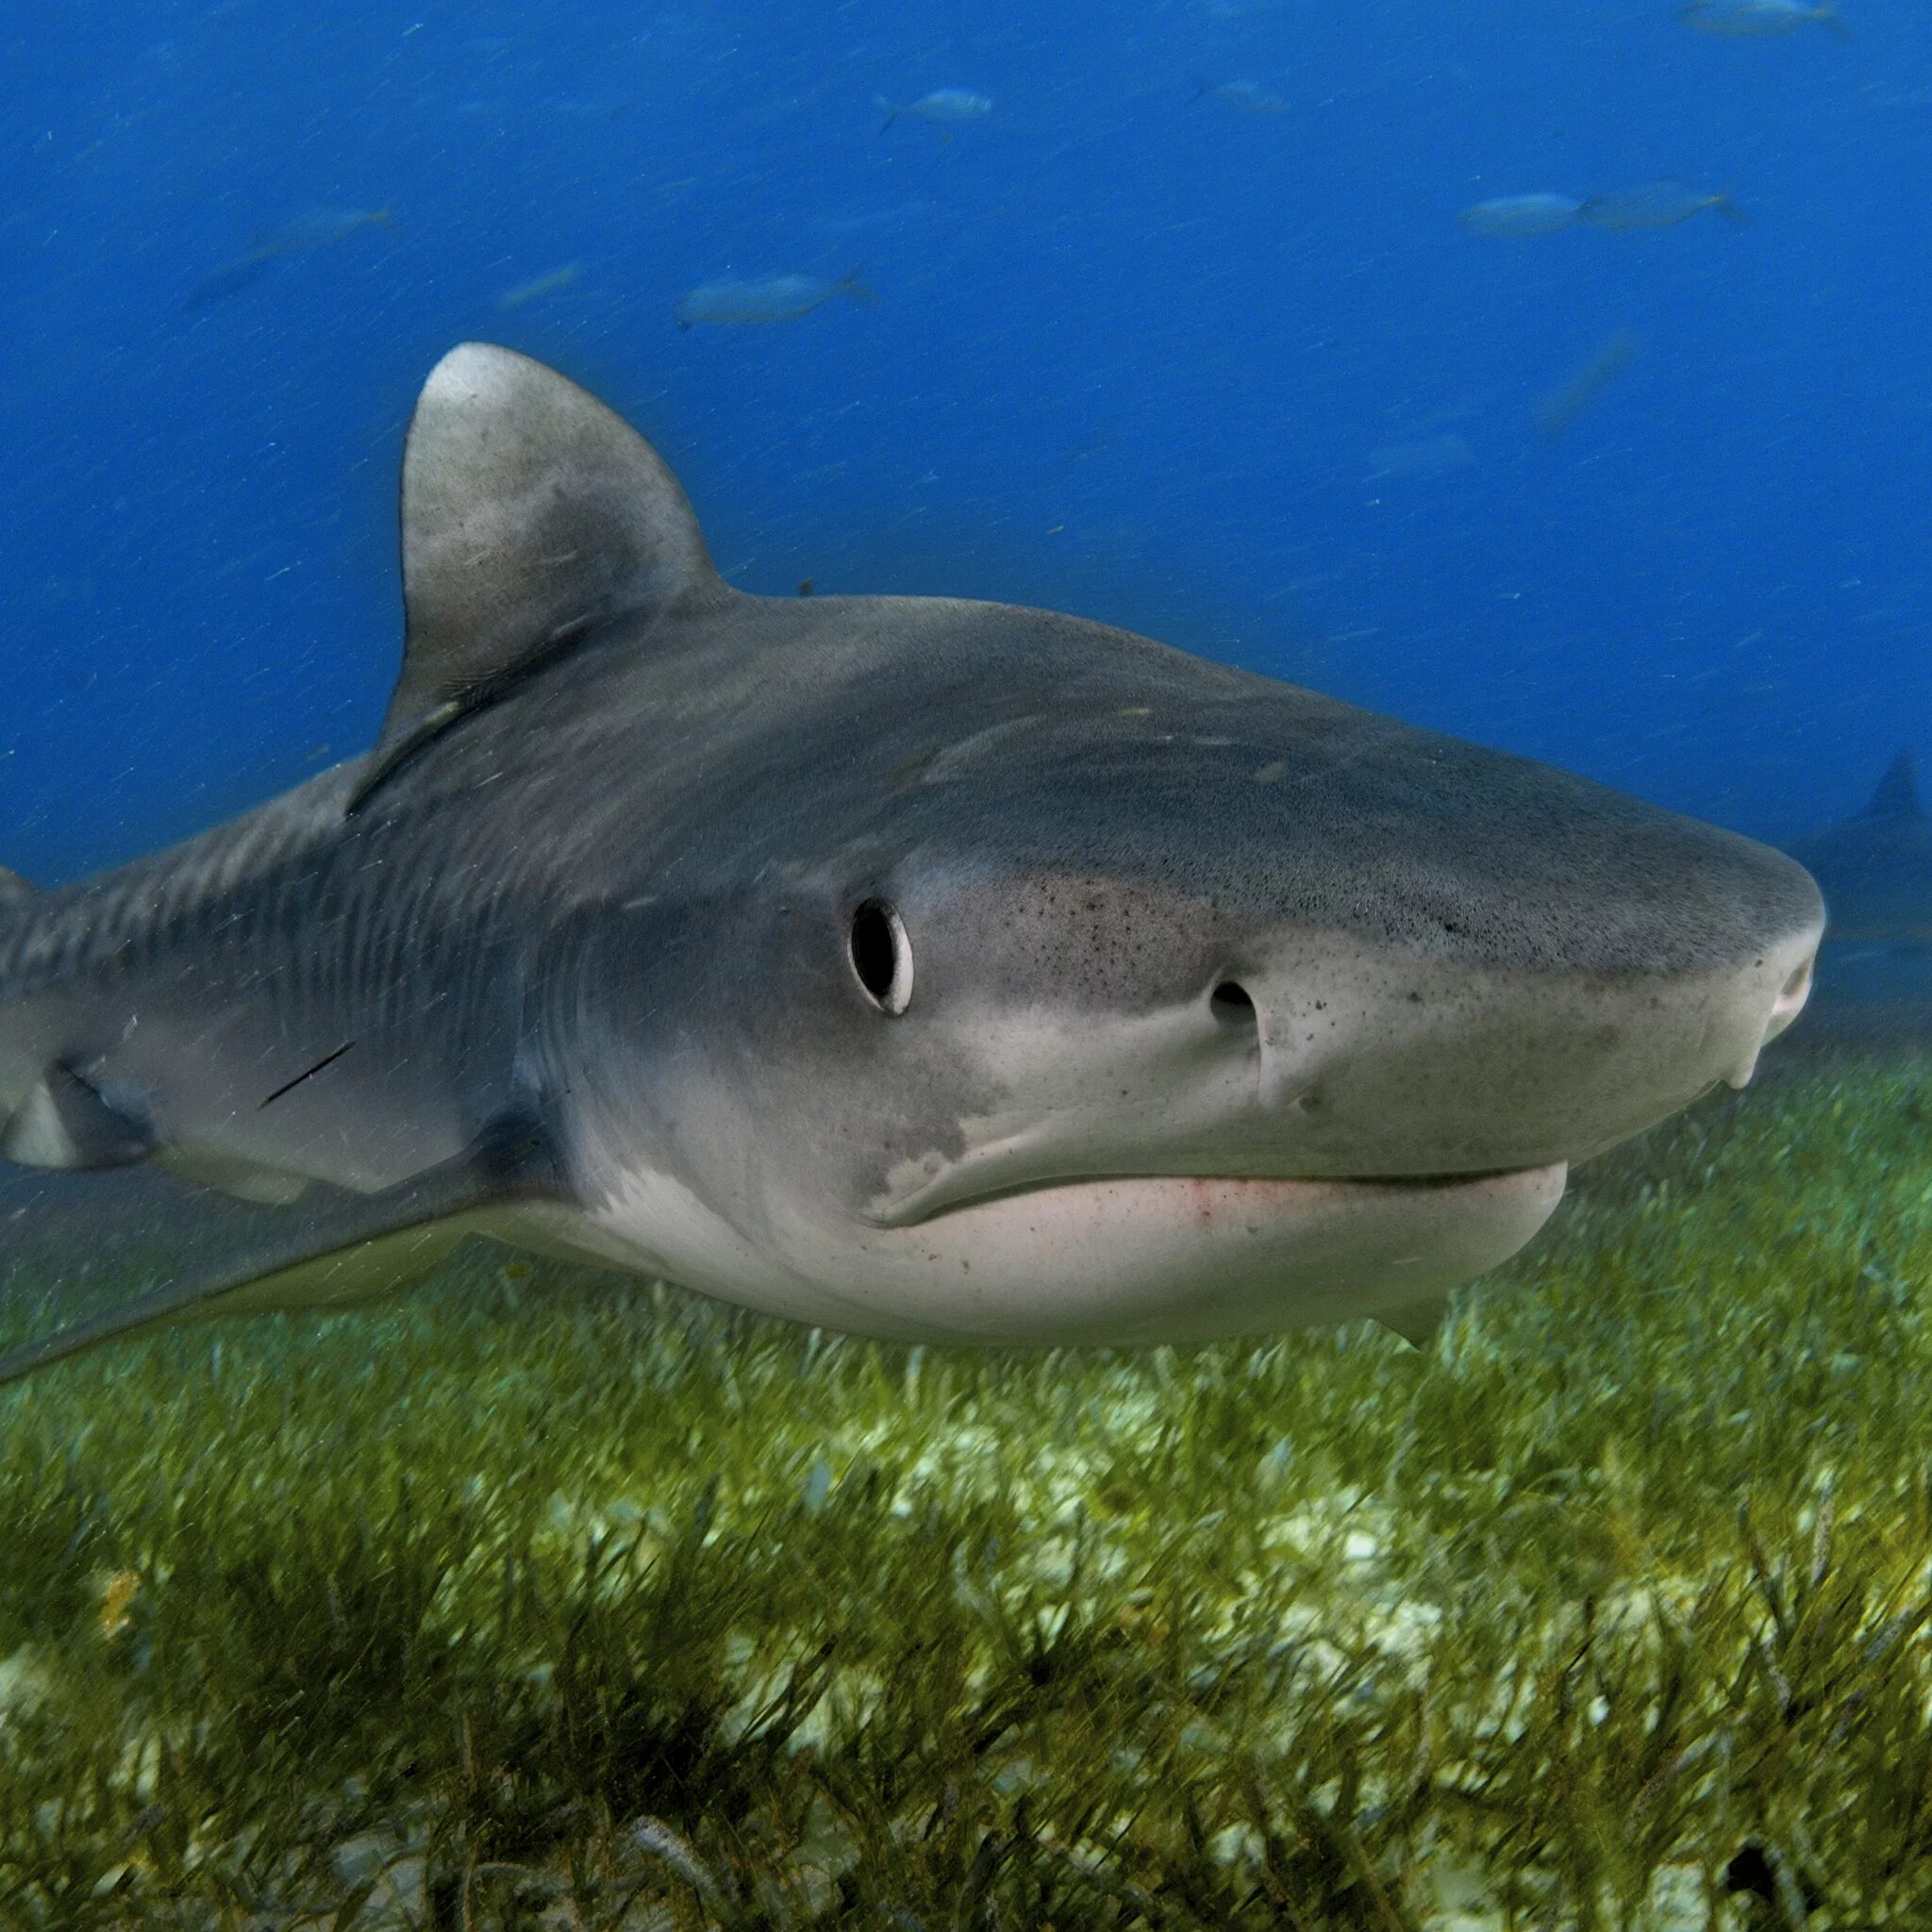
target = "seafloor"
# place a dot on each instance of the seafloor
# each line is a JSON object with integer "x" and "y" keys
{"x": 529, "y": 1600}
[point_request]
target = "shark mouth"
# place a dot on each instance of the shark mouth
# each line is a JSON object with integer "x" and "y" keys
{"x": 1263, "y": 1193}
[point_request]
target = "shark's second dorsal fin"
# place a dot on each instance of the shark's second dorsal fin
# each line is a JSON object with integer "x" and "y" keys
{"x": 1897, "y": 796}
{"x": 531, "y": 514}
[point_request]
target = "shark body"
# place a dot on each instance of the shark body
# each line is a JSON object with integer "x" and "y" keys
{"x": 915, "y": 967}
{"x": 1876, "y": 867}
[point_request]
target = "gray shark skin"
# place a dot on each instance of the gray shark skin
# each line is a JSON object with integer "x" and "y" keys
{"x": 919, "y": 968}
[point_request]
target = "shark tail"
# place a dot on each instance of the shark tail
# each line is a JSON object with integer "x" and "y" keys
{"x": 859, "y": 289}
{"x": 1722, "y": 203}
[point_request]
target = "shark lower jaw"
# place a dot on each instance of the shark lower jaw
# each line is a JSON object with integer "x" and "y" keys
{"x": 1088, "y": 1261}
{"x": 1147, "y": 1259}
{"x": 1196, "y": 1194}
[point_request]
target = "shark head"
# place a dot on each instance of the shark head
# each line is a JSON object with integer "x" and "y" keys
{"x": 945, "y": 969}
{"x": 1088, "y": 990}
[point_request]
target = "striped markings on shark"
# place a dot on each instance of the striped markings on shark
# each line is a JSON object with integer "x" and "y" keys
{"x": 909, "y": 966}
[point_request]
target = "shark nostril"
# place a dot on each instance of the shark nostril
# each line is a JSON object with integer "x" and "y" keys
{"x": 1230, "y": 1001}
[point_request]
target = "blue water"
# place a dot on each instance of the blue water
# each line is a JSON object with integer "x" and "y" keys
{"x": 1239, "y": 380}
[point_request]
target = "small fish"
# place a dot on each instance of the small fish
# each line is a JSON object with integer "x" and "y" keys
{"x": 1420, "y": 456}
{"x": 776, "y": 298}
{"x": 229, "y": 280}
{"x": 1521, "y": 214}
{"x": 948, "y": 106}
{"x": 1244, "y": 96}
{"x": 320, "y": 228}
{"x": 1562, "y": 405}
{"x": 1656, "y": 205}
{"x": 1754, "y": 19}
{"x": 539, "y": 286}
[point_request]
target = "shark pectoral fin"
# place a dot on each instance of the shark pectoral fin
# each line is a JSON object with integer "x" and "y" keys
{"x": 314, "y": 1263}
{"x": 239, "y": 1180}
{"x": 64, "y": 1122}
{"x": 531, "y": 514}
{"x": 14, "y": 891}
{"x": 1417, "y": 1321}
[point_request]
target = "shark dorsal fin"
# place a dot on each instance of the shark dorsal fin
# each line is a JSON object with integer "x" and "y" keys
{"x": 1897, "y": 796}
{"x": 531, "y": 514}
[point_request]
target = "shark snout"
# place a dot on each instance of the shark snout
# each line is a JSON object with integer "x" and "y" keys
{"x": 1389, "y": 1064}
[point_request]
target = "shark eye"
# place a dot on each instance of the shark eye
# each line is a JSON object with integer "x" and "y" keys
{"x": 882, "y": 956}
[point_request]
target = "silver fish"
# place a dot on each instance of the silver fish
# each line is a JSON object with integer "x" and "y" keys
{"x": 318, "y": 228}
{"x": 773, "y": 298}
{"x": 1512, "y": 215}
{"x": 1656, "y": 205}
{"x": 1245, "y": 97}
{"x": 539, "y": 286}
{"x": 1754, "y": 19}
{"x": 948, "y": 106}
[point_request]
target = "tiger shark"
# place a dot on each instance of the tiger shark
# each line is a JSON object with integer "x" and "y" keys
{"x": 1876, "y": 867}
{"x": 914, "y": 967}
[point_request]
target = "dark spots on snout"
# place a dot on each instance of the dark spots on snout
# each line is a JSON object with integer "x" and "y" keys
{"x": 1121, "y": 946}
{"x": 1296, "y": 811}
